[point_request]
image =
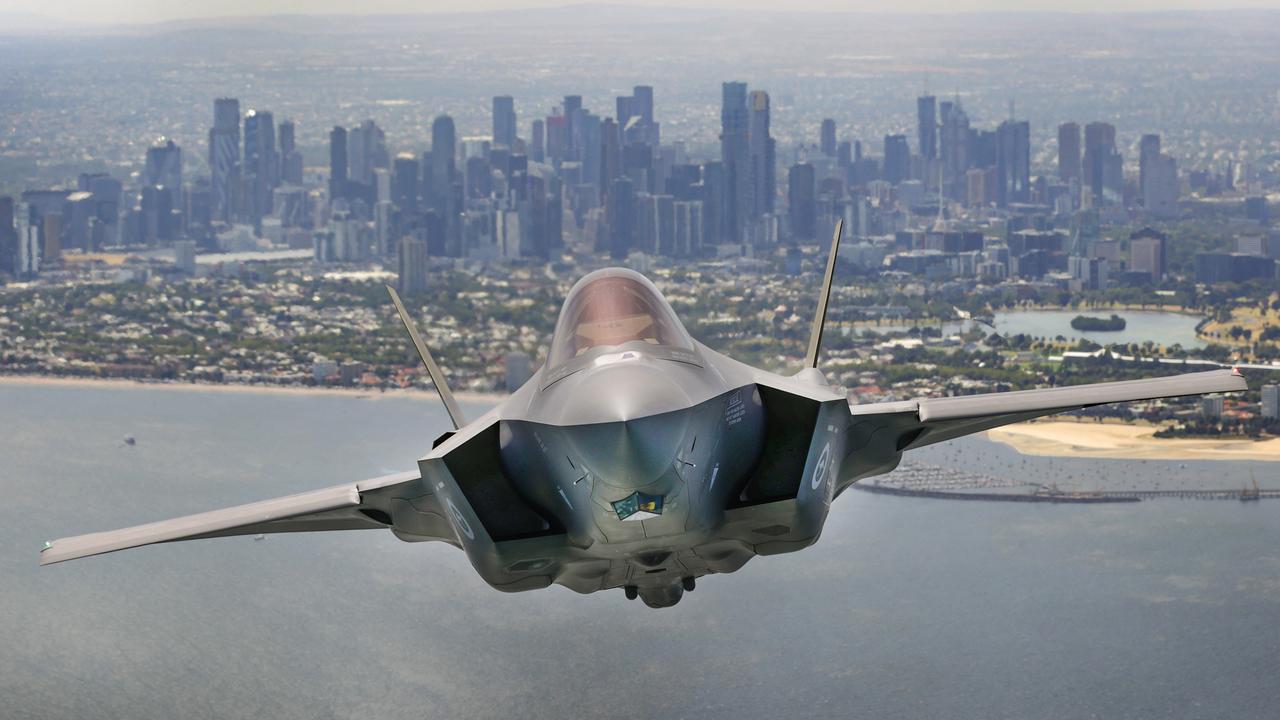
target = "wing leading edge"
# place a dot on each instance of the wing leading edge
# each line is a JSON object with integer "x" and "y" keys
{"x": 915, "y": 423}
{"x": 360, "y": 505}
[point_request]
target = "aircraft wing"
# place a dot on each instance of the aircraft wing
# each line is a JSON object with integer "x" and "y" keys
{"x": 367, "y": 504}
{"x": 915, "y": 423}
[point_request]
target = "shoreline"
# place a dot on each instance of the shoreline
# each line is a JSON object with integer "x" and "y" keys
{"x": 476, "y": 398}
{"x": 1126, "y": 441}
{"x": 1048, "y": 438}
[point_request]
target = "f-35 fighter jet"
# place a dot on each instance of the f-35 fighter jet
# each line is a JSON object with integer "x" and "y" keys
{"x": 638, "y": 458}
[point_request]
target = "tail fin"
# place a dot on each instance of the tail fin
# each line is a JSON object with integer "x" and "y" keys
{"x": 437, "y": 377}
{"x": 820, "y": 318}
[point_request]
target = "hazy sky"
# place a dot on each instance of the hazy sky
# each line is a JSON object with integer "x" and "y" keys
{"x": 133, "y": 11}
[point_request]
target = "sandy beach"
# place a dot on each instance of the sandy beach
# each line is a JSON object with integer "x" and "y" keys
{"x": 362, "y": 393}
{"x": 1067, "y": 438}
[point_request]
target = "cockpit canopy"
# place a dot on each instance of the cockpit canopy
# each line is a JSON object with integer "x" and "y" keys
{"x": 612, "y": 307}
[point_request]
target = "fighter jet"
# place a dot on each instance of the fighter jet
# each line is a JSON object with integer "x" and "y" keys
{"x": 638, "y": 458}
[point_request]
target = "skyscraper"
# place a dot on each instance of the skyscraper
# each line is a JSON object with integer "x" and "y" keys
{"x": 827, "y": 140}
{"x": 404, "y": 182}
{"x": 444, "y": 148}
{"x": 1013, "y": 162}
{"x": 290, "y": 158}
{"x": 927, "y": 121}
{"x": 1148, "y": 150}
{"x": 1068, "y": 152}
{"x": 734, "y": 159}
{"x": 897, "y": 159}
{"x": 412, "y": 265}
{"x": 955, "y": 146}
{"x": 504, "y": 121}
{"x": 802, "y": 211}
{"x": 366, "y": 152}
{"x": 762, "y": 166}
{"x": 260, "y": 162}
{"x": 1160, "y": 186}
{"x": 338, "y": 162}
{"x": 1100, "y": 161}
{"x": 621, "y": 216}
{"x": 1147, "y": 253}
{"x": 444, "y": 196}
{"x": 8, "y": 237}
{"x": 571, "y": 105}
{"x": 164, "y": 165}
{"x": 224, "y": 156}
{"x": 537, "y": 143}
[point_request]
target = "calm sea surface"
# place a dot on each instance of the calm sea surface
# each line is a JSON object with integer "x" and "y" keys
{"x": 907, "y": 608}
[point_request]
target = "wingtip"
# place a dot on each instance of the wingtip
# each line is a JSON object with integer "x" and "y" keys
{"x": 45, "y": 557}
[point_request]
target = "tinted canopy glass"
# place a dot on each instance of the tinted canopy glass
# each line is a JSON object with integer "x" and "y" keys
{"x": 610, "y": 308}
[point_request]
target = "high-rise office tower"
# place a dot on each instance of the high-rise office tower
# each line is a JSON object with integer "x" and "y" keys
{"x": 713, "y": 202}
{"x": 366, "y": 152}
{"x": 557, "y": 139}
{"x": 504, "y": 121}
{"x": 643, "y": 95}
{"x": 286, "y": 140}
{"x": 444, "y": 186}
{"x": 537, "y": 143}
{"x": 688, "y": 228}
{"x": 338, "y": 162}
{"x": 164, "y": 166}
{"x": 610, "y": 155}
{"x": 1013, "y": 162}
{"x": 571, "y": 105}
{"x": 635, "y": 116}
{"x": 404, "y": 182}
{"x": 290, "y": 157}
{"x": 827, "y": 137}
{"x": 763, "y": 167}
{"x": 260, "y": 161}
{"x": 734, "y": 159}
{"x": 8, "y": 237}
{"x": 1100, "y": 159}
{"x": 412, "y": 265}
{"x": 954, "y": 146}
{"x": 927, "y": 126}
{"x": 802, "y": 210}
{"x": 443, "y": 151}
{"x": 1148, "y": 151}
{"x": 1147, "y": 253}
{"x": 1068, "y": 152}
{"x": 224, "y": 156}
{"x": 897, "y": 159}
{"x": 620, "y": 213}
{"x": 1160, "y": 186}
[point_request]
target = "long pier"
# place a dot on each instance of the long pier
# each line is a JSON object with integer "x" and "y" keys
{"x": 1197, "y": 494}
{"x": 1105, "y": 496}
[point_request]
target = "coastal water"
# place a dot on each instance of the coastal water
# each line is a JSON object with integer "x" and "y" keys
{"x": 907, "y": 608}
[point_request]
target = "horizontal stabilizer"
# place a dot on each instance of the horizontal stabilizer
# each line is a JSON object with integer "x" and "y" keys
{"x": 334, "y": 508}
{"x": 1081, "y": 395}
{"x": 924, "y": 421}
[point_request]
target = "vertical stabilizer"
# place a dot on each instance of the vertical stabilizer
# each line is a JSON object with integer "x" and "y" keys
{"x": 437, "y": 377}
{"x": 820, "y": 318}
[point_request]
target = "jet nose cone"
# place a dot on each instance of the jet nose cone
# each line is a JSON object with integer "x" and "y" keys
{"x": 642, "y": 445}
{"x": 628, "y": 386}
